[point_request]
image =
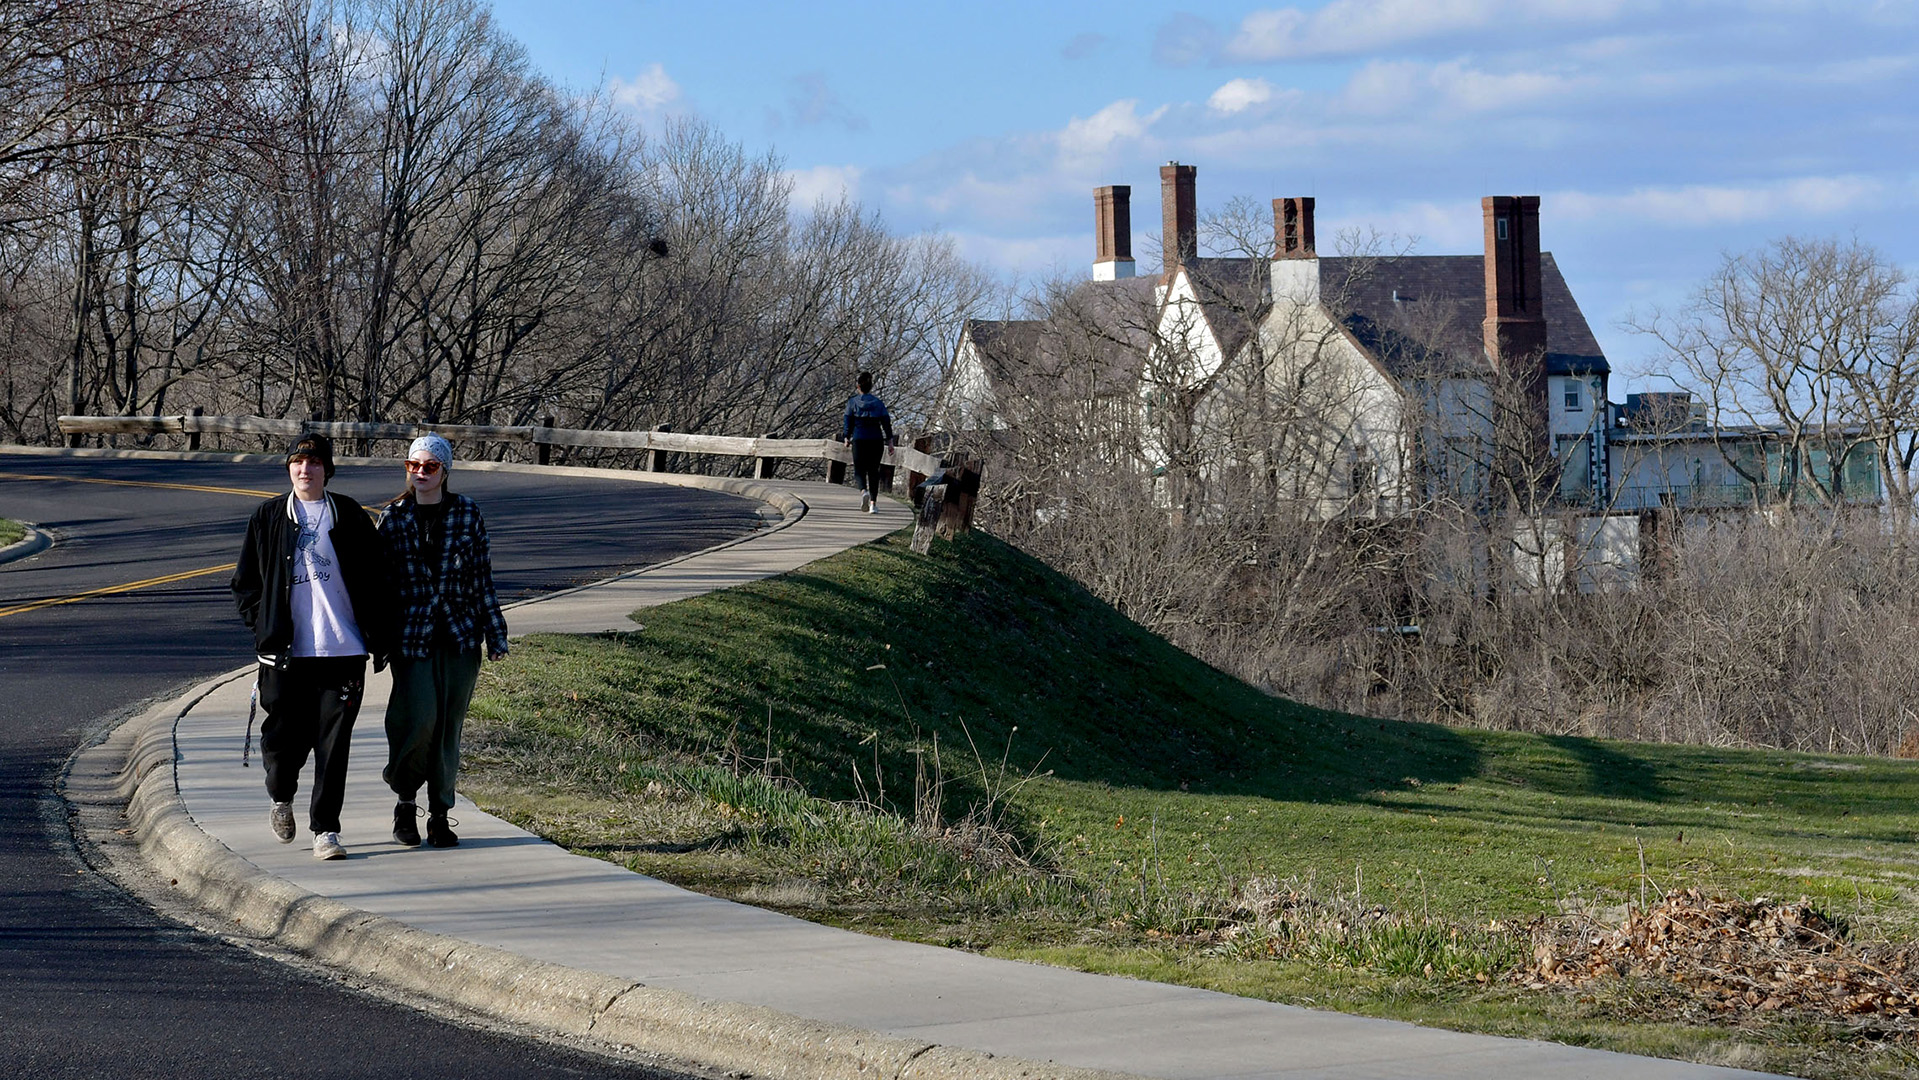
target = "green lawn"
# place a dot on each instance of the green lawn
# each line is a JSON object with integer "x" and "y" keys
{"x": 1151, "y": 792}
{"x": 11, "y": 532}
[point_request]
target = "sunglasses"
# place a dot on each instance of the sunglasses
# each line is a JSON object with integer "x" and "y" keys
{"x": 424, "y": 468}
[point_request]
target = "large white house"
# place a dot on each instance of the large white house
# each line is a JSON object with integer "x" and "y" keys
{"x": 1366, "y": 385}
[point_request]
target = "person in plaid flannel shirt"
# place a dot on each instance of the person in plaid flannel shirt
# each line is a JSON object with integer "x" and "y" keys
{"x": 442, "y": 575}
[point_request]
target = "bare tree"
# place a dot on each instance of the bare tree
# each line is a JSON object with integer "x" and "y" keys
{"x": 1819, "y": 341}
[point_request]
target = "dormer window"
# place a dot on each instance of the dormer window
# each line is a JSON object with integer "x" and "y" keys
{"x": 1572, "y": 396}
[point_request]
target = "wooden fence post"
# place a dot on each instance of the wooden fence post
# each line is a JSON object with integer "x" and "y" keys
{"x": 193, "y": 437}
{"x": 886, "y": 470}
{"x": 544, "y": 450}
{"x": 924, "y": 444}
{"x": 962, "y": 491}
{"x": 765, "y": 467}
{"x": 656, "y": 460}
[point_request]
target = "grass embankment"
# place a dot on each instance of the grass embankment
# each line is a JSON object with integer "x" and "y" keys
{"x": 1090, "y": 796}
{"x": 11, "y": 532}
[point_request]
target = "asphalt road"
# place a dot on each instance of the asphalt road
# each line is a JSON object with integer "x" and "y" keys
{"x": 92, "y": 983}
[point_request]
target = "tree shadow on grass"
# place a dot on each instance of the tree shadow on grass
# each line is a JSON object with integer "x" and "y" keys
{"x": 1609, "y": 772}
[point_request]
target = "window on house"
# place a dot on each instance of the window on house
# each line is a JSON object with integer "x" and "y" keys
{"x": 1499, "y": 228}
{"x": 1572, "y": 396}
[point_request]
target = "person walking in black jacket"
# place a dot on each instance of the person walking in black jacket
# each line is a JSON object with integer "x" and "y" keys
{"x": 867, "y": 429}
{"x": 311, "y": 585}
{"x": 443, "y": 575}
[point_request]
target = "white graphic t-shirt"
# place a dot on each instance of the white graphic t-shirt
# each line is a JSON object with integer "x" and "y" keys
{"x": 322, "y": 615}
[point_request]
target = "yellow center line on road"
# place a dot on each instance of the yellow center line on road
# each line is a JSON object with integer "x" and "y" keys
{"x": 130, "y": 586}
{"x": 140, "y": 483}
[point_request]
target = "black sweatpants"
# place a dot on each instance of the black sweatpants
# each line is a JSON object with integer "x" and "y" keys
{"x": 310, "y": 708}
{"x": 866, "y": 465}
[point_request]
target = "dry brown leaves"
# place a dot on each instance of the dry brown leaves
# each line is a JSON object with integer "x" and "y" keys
{"x": 1737, "y": 957}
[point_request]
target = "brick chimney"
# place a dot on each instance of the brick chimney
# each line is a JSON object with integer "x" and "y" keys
{"x": 1295, "y": 260}
{"x": 1179, "y": 214}
{"x": 1113, "y": 232}
{"x": 1515, "y": 338}
{"x": 1515, "y": 316}
{"x": 1293, "y": 228}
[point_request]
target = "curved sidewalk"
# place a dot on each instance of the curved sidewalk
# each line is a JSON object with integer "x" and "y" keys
{"x": 509, "y": 925}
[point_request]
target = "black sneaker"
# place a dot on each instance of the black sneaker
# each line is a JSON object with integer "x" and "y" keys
{"x": 406, "y": 832}
{"x": 438, "y": 833}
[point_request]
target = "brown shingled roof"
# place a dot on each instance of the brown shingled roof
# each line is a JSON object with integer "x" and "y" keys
{"x": 1413, "y": 312}
{"x": 1416, "y": 314}
{"x": 1099, "y": 332}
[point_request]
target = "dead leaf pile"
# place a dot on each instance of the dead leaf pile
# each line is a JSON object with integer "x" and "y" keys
{"x": 1736, "y": 956}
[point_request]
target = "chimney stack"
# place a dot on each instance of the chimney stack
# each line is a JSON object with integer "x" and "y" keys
{"x": 1515, "y": 327}
{"x": 1515, "y": 337}
{"x": 1113, "y": 232}
{"x": 1295, "y": 269}
{"x": 1293, "y": 228}
{"x": 1179, "y": 215}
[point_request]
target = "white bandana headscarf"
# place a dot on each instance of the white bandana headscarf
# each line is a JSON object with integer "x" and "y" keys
{"x": 441, "y": 450}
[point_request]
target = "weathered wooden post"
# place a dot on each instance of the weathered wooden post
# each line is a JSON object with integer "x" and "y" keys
{"x": 886, "y": 468}
{"x": 962, "y": 492}
{"x": 914, "y": 478}
{"x": 543, "y": 440}
{"x": 656, "y": 460}
{"x": 193, "y": 435}
{"x": 765, "y": 467}
{"x": 835, "y": 468}
{"x": 946, "y": 502}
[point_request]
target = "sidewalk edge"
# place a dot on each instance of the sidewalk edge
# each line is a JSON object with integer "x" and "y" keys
{"x": 132, "y": 766}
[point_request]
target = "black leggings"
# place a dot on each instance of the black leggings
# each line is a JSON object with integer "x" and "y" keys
{"x": 866, "y": 465}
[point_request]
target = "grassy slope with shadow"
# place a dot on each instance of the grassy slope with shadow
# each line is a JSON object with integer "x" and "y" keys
{"x": 11, "y": 532}
{"x": 1166, "y": 774}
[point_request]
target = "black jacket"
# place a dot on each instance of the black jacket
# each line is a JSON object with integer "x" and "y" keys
{"x": 263, "y": 581}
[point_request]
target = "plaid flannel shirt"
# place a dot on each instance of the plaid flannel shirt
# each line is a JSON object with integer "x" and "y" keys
{"x": 459, "y": 590}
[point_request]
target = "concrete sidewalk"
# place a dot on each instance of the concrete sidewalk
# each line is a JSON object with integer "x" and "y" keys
{"x": 510, "y": 925}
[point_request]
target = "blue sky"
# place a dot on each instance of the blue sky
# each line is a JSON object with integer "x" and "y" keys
{"x": 1659, "y": 135}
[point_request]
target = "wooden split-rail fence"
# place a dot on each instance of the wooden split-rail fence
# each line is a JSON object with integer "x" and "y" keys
{"x": 954, "y": 489}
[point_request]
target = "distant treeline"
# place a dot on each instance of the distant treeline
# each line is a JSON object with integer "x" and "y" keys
{"x": 376, "y": 210}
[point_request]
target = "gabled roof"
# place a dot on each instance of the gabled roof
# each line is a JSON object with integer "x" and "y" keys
{"x": 1420, "y": 313}
{"x": 1416, "y": 314}
{"x": 1233, "y": 296}
{"x": 1099, "y": 333}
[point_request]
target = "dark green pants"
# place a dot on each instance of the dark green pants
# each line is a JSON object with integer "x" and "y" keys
{"x": 423, "y": 721}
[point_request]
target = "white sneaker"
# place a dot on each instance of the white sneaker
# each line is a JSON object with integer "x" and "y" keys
{"x": 873, "y": 508}
{"x": 327, "y": 845}
{"x": 866, "y": 503}
{"x": 281, "y": 818}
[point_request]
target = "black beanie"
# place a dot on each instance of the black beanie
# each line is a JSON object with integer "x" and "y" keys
{"x": 317, "y": 447}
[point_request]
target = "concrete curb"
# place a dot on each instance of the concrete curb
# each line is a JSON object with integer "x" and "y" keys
{"x": 132, "y": 767}
{"x": 36, "y": 541}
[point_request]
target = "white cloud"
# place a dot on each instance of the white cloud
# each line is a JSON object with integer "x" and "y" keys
{"x": 649, "y": 91}
{"x": 1091, "y": 137}
{"x": 1240, "y": 95}
{"x": 1703, "y": 205}
{"x": 1351, "y": 27}
{"x": 828, "y": 183}
{"x": 1388, "y": 86}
